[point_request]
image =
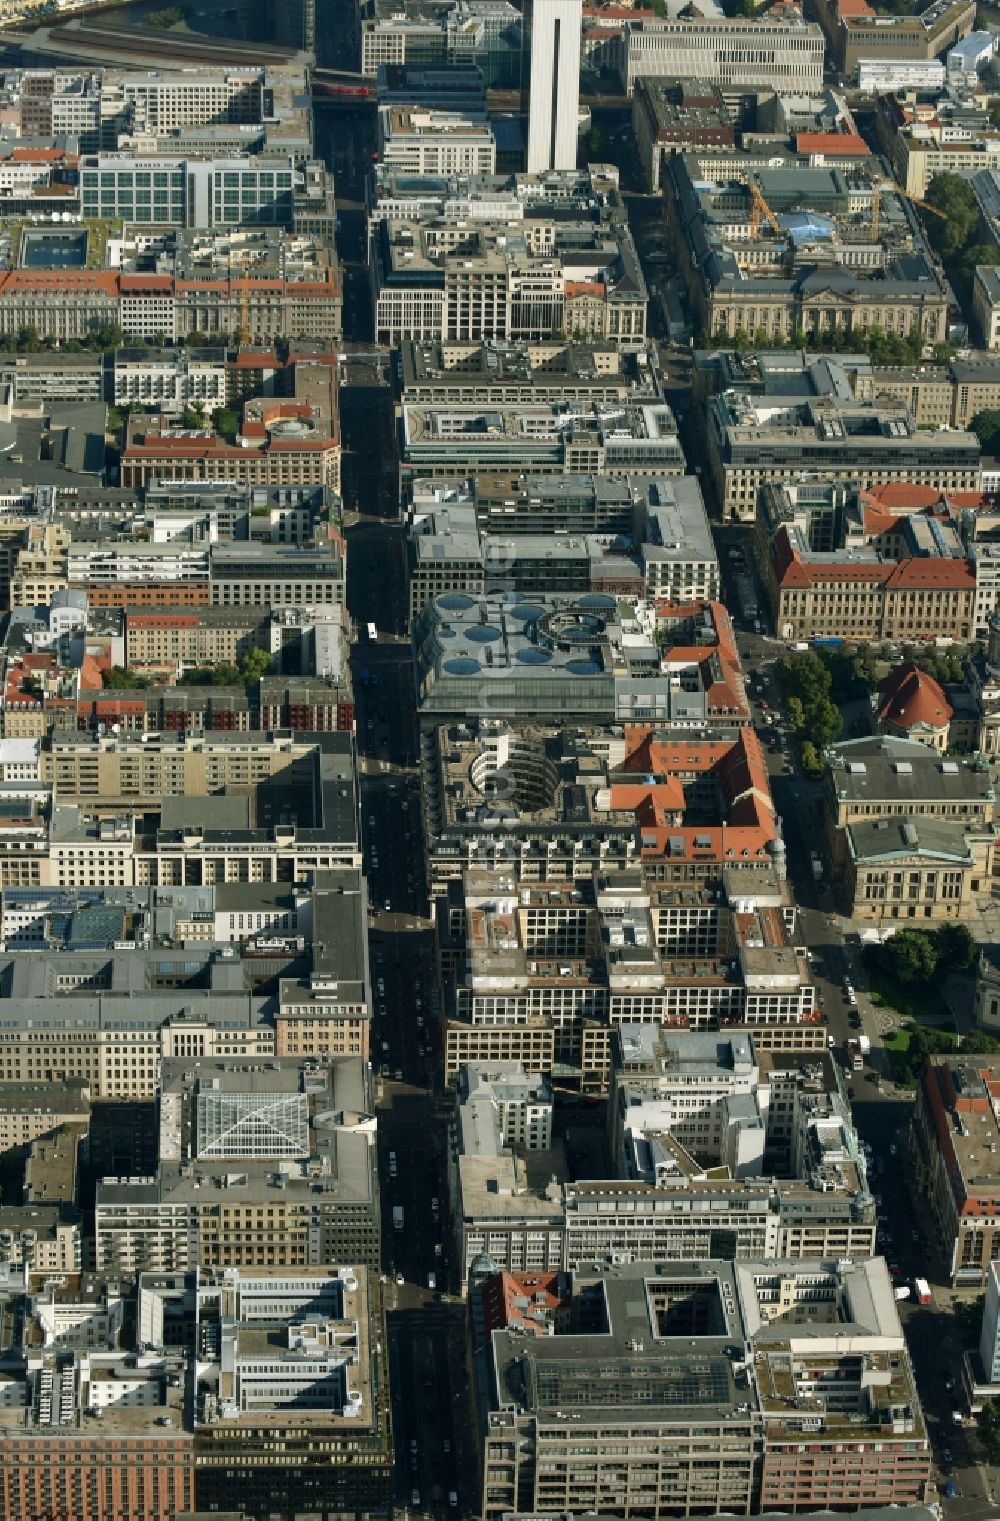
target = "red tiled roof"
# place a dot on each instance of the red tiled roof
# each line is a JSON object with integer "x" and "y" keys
{"x": 832, "y": 142}
{"x": 912, "y": 698}
{"x": 903, "y": 494}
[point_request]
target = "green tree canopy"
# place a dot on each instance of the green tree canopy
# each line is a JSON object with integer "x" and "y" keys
{"x": 986, "y": 426}
{"x": 909, "y": 957}
{"x": 955, "y": 946}
{"x": 255, "y": 664}
{"x": 226, "y": 422}
{"x": 954, "y": 230}
{"x": 988, "y": 1421}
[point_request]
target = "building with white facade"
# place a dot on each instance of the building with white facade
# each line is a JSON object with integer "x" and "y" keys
{"x": 170, "y": 379}
{"x": 877, "y": 76}
{"x": 785, "y": 55}
{"x": 502, "y": 1105}
{"x": 415, "y": 140}
{"x": 554, "y": 101}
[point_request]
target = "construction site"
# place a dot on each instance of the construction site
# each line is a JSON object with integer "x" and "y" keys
{"x": 802, "y": 246}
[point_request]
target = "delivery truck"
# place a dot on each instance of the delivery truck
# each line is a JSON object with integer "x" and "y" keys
{"x": 922, "y": 1289}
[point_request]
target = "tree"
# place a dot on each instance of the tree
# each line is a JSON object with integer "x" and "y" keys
{"x": 909, "y": 957}
{"x": 988, "y": 1421}
{"x": 986, "y": 426}
{"x": 978, "y": 1043}
{"x": 226, "y": 675}
{"x": 813, "y": 763}
{"x": 115, "y": 420}
{"x": 119, "y": 679}
{"x": 956, "y": 947}
{"x": 193, "y": 415}
{"x": 108, "y": 336}
{"x": 226, "y": 422}
{"x": 974, "y": 255}
{"x": 825, "y": 722}
{"x": 954, "y": 230}
{"x": 255, "y": 664}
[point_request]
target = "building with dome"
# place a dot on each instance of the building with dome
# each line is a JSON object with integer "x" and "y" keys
{"x": 912, "y": 705}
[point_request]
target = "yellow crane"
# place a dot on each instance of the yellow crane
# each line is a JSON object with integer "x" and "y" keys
{"x": 761, "y": 211}
{"x": 244, "y": 314}
{"x": 897, "y": 190}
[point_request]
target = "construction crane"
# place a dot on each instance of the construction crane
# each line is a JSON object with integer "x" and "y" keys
{"x": 914, "y": 201}
{"x": 244, "y": 315}
{"x": 759, "y": 209}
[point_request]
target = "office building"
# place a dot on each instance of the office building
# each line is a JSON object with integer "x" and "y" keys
{"x": 986, "y": 304}
{"x": 500, "y": 1106}
{"x": 563, "y": 370}
{"x": 856, "y": 31}
{"x": 751, "y": 443}
{"x": 292, "y": 1143}
{"x": 800, "y": 247}
{"x": 552, "y": 39}
{"x": 450, "y": 443}
{"x": 671, "y": 555}
{"x": 721, "y": 1430}
{"x": 877, "y": 76}
{"x": 989, "y": 1338}
{"x": 784, "y": 52}
{"x": 953, "y": 1136}
{"x": 297, "y": 1349}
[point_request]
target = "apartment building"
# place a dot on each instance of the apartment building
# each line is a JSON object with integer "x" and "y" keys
{"x": 170, "y": 381}
{"x": 301, "y": 1134}
{"x": 29, "y": 1111}
{"x": 782, "y": 52}
{"x": 732, "y": 1437}
{"x": 177, "y": 638}
{"x": 953, "y": 1143}
{"x": 94, "y": 1433}
{"x": 751, "y": 443}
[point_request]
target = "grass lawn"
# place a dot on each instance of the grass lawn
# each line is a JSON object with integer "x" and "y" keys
{"x": 897, "y": 1044}
{"x": 922, "y": 1002}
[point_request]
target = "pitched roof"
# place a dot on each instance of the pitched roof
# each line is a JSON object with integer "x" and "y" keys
{"x": 911, "y": 698}
{"x": 843, "y": 143}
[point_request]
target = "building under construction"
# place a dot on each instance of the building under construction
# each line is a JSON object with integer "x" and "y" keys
{"x": 803, "y": 247}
